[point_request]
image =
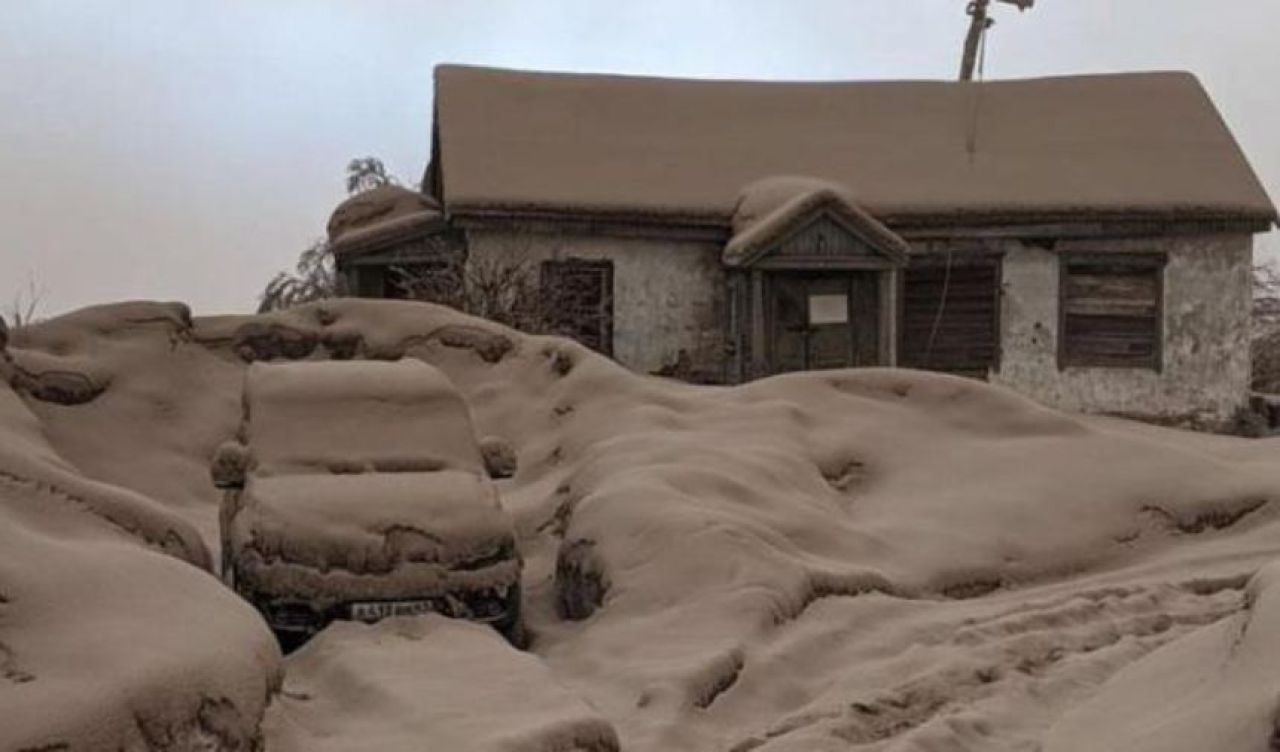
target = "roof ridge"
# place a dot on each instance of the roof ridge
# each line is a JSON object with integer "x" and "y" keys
{"x": 481, "y": 69}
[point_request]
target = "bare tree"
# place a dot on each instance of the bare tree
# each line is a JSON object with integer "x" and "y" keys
{"x": 1265, "y": 345}
{"x": 25, "y": 305}
{"x": 1266, "y": 292}
{"x": 315, "y": 277}
{"x": 505, "y": 290}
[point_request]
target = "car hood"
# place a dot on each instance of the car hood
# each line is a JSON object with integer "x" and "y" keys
{"x": 372, "y": 523}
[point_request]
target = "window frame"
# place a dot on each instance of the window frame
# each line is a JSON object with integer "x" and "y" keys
{"x": 601, "y": 266}
{"x": 1131, "y": 262}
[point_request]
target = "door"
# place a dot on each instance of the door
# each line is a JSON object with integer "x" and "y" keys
{"x": 823, "y": 320}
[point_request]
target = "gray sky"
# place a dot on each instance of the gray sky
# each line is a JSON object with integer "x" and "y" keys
{"x": 182, "y": 150}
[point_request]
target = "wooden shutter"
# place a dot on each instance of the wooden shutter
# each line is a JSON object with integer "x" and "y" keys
{"x": 1111, "y": 312}
{"x": 951, "y": 316}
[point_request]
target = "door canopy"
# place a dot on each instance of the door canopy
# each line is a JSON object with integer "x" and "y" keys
{"x": 791, "y": 222}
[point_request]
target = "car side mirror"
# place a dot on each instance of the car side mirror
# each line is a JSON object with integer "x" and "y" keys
{"x": 230, "y": 463}
{"x": 499, "y": 458}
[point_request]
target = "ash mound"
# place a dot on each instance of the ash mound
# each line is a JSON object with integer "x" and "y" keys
{"x": 875, "y": 558}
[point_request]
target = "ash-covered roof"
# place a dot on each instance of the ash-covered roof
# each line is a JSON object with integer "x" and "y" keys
{"x": 1131, "y": 145}
{"x": 371, "y": 219}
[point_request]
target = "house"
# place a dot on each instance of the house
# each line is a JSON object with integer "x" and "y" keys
{"x": 1085, "y": 239}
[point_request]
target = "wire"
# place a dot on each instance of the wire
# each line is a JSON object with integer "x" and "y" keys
{"x": 942, "y": 306}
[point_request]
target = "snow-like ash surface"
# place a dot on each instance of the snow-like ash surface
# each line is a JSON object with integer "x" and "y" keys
{"x": 874, "y": 559}
{"x": 113, "y": 635}
{"x": 365, "y": 481}
{"x": 343, "y": 416}
{"x": 427, "y": 683}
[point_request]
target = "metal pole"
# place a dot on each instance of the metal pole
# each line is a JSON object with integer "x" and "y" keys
{"x": 977, "y": 9}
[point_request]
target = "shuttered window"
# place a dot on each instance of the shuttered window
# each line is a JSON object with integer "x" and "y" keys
{"x": 578, "y": 294}
{"x": 951, "y": 316}
{"x": 1111, "y": 310}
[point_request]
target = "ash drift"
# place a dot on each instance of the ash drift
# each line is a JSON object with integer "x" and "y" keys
{"x": 869, "y": 559}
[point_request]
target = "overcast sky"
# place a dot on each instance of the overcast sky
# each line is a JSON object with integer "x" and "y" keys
{"x": 183, "y": 150}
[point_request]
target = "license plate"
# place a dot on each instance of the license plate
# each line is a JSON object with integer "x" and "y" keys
{"x": 375, "y": 610}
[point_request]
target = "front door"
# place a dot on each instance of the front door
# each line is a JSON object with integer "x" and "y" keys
{"x": 823, "y": 320}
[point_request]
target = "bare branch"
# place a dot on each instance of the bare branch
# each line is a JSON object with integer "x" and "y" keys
{"x": 315, "y": 277}
{"x": 25, "y": 304}
{"x": 1266, "y": 292}
{"x": 503, "y": 290}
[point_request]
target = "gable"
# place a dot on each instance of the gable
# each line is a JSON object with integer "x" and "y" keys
{"x": 822, "y": 241}
{"x": 799, "y": 222}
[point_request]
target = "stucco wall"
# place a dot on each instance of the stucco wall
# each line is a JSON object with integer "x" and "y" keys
{"x": 1205, "y": 375}
{"x": 668, "y": 295}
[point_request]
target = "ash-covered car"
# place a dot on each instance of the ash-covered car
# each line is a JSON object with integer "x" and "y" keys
{"x": 358, "y": 490}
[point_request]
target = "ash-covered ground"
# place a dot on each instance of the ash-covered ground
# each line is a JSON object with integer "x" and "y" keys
{"x": 870, "y": 559}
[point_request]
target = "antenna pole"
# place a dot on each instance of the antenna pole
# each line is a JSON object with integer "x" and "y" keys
{"x": 978, "y": 24}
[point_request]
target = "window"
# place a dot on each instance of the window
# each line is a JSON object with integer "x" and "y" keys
{"x": 1110, "y": 311}
{"x": 951, "y": 315}
{"x": 578, "y": 294}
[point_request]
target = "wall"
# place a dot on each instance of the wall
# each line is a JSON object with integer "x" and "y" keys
{"x": 668, "y": 295}
{"x": 1205, "y": 375}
